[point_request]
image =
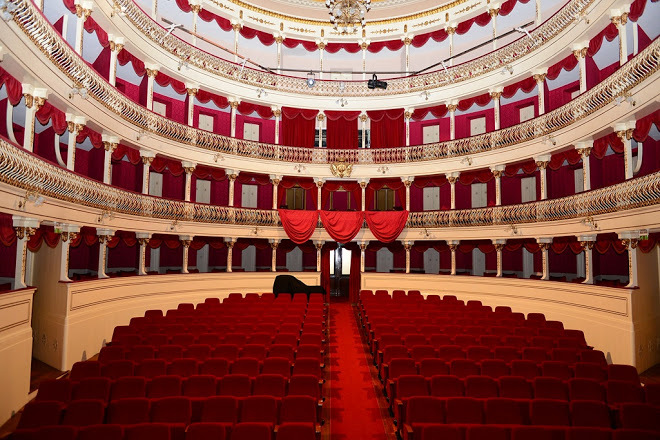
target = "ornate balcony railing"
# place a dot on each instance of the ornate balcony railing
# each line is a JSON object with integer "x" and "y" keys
{"x": 413, "y": 84}
{"x": 21, "y": 169}
{"x": 42, "y": 34}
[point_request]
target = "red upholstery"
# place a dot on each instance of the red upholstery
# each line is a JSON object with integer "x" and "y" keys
{"x": 37, "y": 414}
{"x": 128, "y": 411}
{"x": 84, "y": 412}
{"x": 127, "y": 387}
{"x": 58, "y": 390}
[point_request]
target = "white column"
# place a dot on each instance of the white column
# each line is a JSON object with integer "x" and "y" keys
{"x": 407, "y": 181}
{"x": 147, "y": 158}
{"x": 495, "y": 95}
{"x": 278, "y": 40}
{"x": 537, "y": 20}
{"x": 277, "y": 113}
{"x": 539, "y": 77}
{"x": 34, "y": 99}
{"x": 195, "y": 7}
{"x": 451, "y": 107}
{"x": 499, "y": 246}
{"x": 363, "y": 186}
{"x": 233, "y": 103}
{"x": 624, "y": 131}
{"x": 620, "y": 18}
{"x": 319, "y": 122}
{"x": 544, "y": 244}
{"x": 83, "y": 11}
{"x": 407, "y": 115}
{"x": 104, "y": 236}
{"x": 319, "y": 185}
{"x": 497, "y": 171}
{"x": 229, "y": 241}
{"x": 629, "y": 239}
{"x": 24, "y": 228}
{"x": 152, "y": 71}
{"x": 407, "y": 246}
{"x": 584, "y": 148}
{"x": 635, "y": 38}
{"x": 143, "y": 240}
{"x": 75, "y": 124}
{"x": 273, "y": 255}
{"x": 542, "y": 163}
{"x": 275, "y": 180}
{"x": 154, "y": 9}
{"x": 363, "y": 248}
{"x": 580, "y": 52}
{"x": 185, "y": 243}
{"x": 406, "y": 42}
{"x": 451, "y": 30}
{"x": 110, "y": 142}
{"x": 231, "y": 175}
{"x": 68, "y": 234}
{"x": 192, "y": 90}
{"x": 116, "y": 45}
{"x": 587, "y": 242}
{"x": 188, "y": 167}
{"x": 363, "y": 45}
{"x": 321, "y": 45}
{"x": 493, "y": 11}
{"x": 452, "y": 178}
{"x": 453, "y": 245}
{"x": 363, "y": 126}
{"x": 237, "y": 27}
{"x": 319, "y": 246}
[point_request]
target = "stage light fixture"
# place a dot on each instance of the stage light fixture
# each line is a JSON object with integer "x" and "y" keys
{"x": 311, "y": 79}
{"x": 375, "y": 83}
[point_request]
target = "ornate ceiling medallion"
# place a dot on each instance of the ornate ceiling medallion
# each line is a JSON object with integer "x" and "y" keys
{"x": 341, "y": 168}
{"x": 347, "y": 16}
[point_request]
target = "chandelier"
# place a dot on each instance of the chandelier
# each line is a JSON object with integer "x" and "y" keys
{"x": 347, "y": 15}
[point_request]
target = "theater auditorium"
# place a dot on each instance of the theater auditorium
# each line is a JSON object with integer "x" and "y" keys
{"x": 329, "y": 220}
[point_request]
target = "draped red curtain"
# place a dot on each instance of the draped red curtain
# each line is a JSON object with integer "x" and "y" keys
{"x": 298, "y": 126}
{"x": 342, "y": 129}
{"x": 342, "y": 226}
{"x": 333, "y": 186}
{"x": 386, "y": 225}
{"x": 13, "y": 87}
{"x": 387, "y": 128}
{"x": 306, "y": 183}
{"x": 376, "y": 184}
{"x": 439, "y": 111}
{"x": 298, "y": 225}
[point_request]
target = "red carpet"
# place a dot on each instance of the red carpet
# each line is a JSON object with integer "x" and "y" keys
{"x": 354, "y": 409}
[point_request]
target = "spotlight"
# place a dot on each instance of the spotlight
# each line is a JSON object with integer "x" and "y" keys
{"x": 375, "y": 83}
{"x": 311, "y": 79}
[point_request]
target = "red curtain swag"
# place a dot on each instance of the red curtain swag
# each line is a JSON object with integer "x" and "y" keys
{"x": 424, "y": 181}
{"x": 124, "y": 57}
{"x": 254, "y": 178}
{"x": 265, "y": 38}
{"x": 610, "y": 32}
{"x": 480, "y": 100}
{"x": 464, "y": 26}
{"x": 439, "y": 111}
{"x": 483, "y": 176}
{"x": 526, "y": 85}
{"x": 132, "y": 154}
{"x": 643, "y": 126}
{"x": 95, "y": 138}
{"x": 206, "y": 172}
{"x": 348, "y": 47}
{"x": 376, "y": 184}
{"x": 309, "y": 46}
{"x": 528, "y": 167}
{"x": 13, "y": 87}
{"x": 299, "y": 225}
{"x": 161, "y": 163}
{"x": 342, "y": 226}
{"x": 601, "y": 144}
{"x": 246, "y": 108}
{"x": 332, "y": 186}
{"x": 49, "y": 113}
{"x": 164, "y": 80}
{"x": 204, "y": 96}
{"x": 422, "y": 39}
{"x": 392, "y": 45}
{"x": 92, "y": 26}
{"x": 567, "y": 63}
{"x": 557, "y": 159}
{"x": 386, "y": 225}
{"x": 306, "y": 183}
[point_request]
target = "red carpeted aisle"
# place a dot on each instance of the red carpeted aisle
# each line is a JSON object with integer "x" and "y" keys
{"x": 355, "y": 408}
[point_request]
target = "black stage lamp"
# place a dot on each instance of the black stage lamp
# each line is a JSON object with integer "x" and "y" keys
{"x": 374, "y": 83}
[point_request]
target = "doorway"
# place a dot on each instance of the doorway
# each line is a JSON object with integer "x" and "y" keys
{"x": 340, "y": 270}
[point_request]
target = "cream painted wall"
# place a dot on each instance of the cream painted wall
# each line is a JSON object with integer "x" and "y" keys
{"x": 604, "y": 314}
{"x": 646, "y": 310}
{"x": 15, "y": 350}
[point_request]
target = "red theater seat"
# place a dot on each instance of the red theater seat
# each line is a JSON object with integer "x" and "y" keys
{"x": 494, "y": 368}
{"x": 128, "y": 411}
{"x": 464, "y": 410}
{"x": 433, "y": 367}
{"x": 304, "y": 385}
{"x": 59, "y": 390}
{"x": 237, "y": 385}
{"x": 85, "y": 369}
{"x": 37, "y": 414}
{"x": 515, "y": 387}
{"x": 296, "y": 431}
{"x": 586, "y": 389}
{"x": 421, "y": 411}
{"x": 217, "y": 367}
{"x": 640, "y": 416}
{"x": 480, "y": 387}
{"x": 298, "y": 409}
{"x": 590, "y": 413}
{"x": 164, "y": 386}
{"x": 270, "y": 385}
{"x": 626, "y": 373}
{"x": 447, "y": 386}
{"x": 101, "y": 432}
{"x": 206, "y": 431}
{"x": 619, "y": 392}
{"x": 84, "y": 412}
{"x": 252, "y": 431}
{"x": 476, "y": 432}
{"x": 538, "y": 433}
{"x": 220, "y": 409}
{"x": 147, "y": 431}
{"x": 127, "y": 387}
{"x": 261, "y": 409}
{"x": 550, "y": 412}
{"x": 501, "y": 411}
{"x": 550, "y": 388}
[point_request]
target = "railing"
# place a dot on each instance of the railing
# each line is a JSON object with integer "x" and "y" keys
{"x": 39, "y": 31}
{"x": 412, "y": 84}
{"x": 21, "y": 169}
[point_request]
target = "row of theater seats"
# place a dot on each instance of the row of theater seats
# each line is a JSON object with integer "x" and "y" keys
{"x": 237, "y": 385}
{"x": 612, "y": 392}
{"x": 457, "y": 356}
{"x": 423, "y": 410}
{"x": 199, "y": 370}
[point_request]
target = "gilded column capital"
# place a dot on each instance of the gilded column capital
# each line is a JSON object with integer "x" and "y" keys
{"x": 24, "y": 232}
{"x": 275, "y": 181}
{"x": 497, "y": 173}
{"x": 453, "y": 247}
{"x": 147, "y": 160}
{"x": 192, "y": 91}
{"x": 587, "y": 244}
{"x": 320, "y": 116}
{"x": 363, "y": 247}
{"x": 29, "y": 100}
{"x": 364, "y": 45}
{"x": 105, "y": 238}
{"x": 544, "y": 246}
{"x": 625, "y": 135}
{"x": 539, "y": 77}
{"x": 408, "y": 114}
{"x": 232, "y": 177}
{"x": 580, "y": 53}
{"x": 66, "y": 236}
{"x": 364, "y": 117}
{"x": 186, "y": 243}
{"x": 236, "y": 27}
{"x": 495, "y": 95}
{"x": 363, "y": 184}
{"x": 407, "y": 246}
{"x": 274, "y": 244}
{"x": 189, "y": 170}
{"x": 234, "y": 104}
{"x": 499, "y": 246}
{"x": 452, "y": 179}
{"x": 230, "y": 244}
{"x": 82, "y": 12}
{"x": 319, "y": 246}
{"x": 279, "y": 39}
{"x": 407, "y": 183}
{"x": 542, "y": 164}
{"x": 452, "y": 107}
{"x": 143, "y": 241}
{"x": 277, "y": 113}
{"x": 584, "y": 152}
{"x": 151, "y": 73}
{"x": 407, "y": 41}
{"x": 320, "y": 45}
{"x": 109, "y": 146}
{"x": 493, "y": 12}
{"x": 451, "y": 30}
{"x": 195, "y": 8}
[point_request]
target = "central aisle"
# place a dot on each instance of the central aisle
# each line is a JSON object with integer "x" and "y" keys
{"x": 357, "y": 409}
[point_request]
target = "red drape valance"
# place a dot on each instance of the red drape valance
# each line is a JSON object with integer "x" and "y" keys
{"x": 601, "y": 144}
{"x": 567, "y": 63}
{"x": 206, "y": 172}
{"x": 557, "y": 159}
{"x": 310, "y": 46}
{"x": 160, "y": 163}
{"x": 246, "y": 108}
{"x": 377, "y": 46}
{"x": 13, "y": 87}
{"x": 49, "y": 113}
{"x": 464, "y": 26}
{"x": 164, "y": 80}
{"x": 526, "y": 85}
{"x": 306, "y": 183}
{"x": 298, "y": 225}
{"x": 332, "y": 186}
{"x": 376, "y": 184}
{"x": 124, "y": 57}
{"x": 342, "y": 226}
{"x": 528, "y": 167}
{"x": 610, "y": 32}
{"x": 643, "y": 126}
{"x": 483, "y": 176}
{"x": 204, "y": 96}
{"x": 424, "y": 181}
{"x": 480, "y": 100}
{"x": 438, "y": 111}
{"x": 386, "y": 225}
{"x": 348, "y": 47}
{"x": 132, "y": 154}
{"x": 422, "y": 39}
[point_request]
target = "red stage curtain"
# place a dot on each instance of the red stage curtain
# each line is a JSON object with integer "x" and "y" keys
{"x": 13, "y": 87}
{"x": 567, "y": 63}
{"x": 298, "y": 225}
{"x": 298, "y": 127}
{"x": 342, "y": 226}
{"x": 386, "y": 225}
{"x": 387, "y": 128}
{"x": 342, "y": 130}
{"x": 332, "y": 186}
{"x": 438, "y": 111}
{"x": 376, "y": 184}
